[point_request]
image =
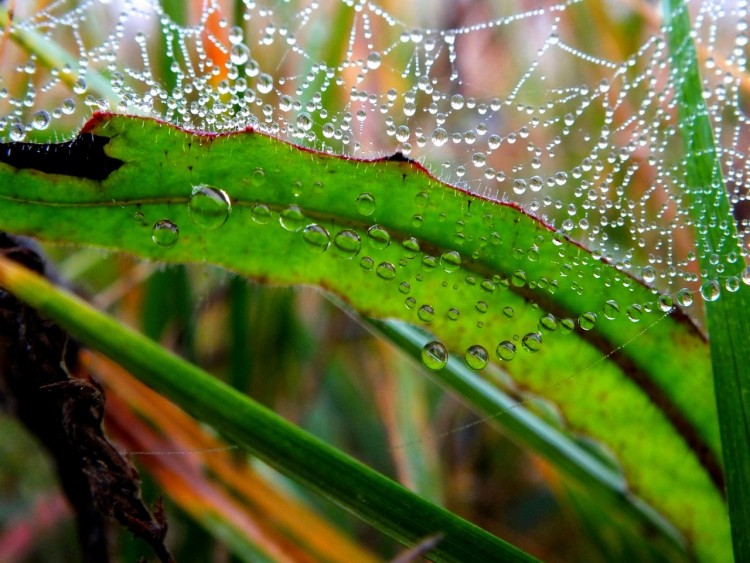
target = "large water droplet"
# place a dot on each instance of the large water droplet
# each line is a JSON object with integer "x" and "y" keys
{"x": 292, "y": 218}
{"x": 506, "y": 350}
{"x": 532, "y": 342}
{"x": 41, "y": 120}
{"x": 373, "y": 60}
{"x": 165, "y": 233}
{"x": 347, "y": 243}
{"x": 587, "y": 321}
{"x": 711, "y": 290}
{"x": 209, "y": 207}
{"x": 426, "y": 313}
{"x": 434, "y": 355}
{"x": 450, "y": 261}
{"x": 316, "y": 237}
{"x": 365, "y": 204}
{"x": 386, "y": 270}
{"x": 477, "y": 357}
{"x": 261, "y": 213}
{"x": 379, "y": 237}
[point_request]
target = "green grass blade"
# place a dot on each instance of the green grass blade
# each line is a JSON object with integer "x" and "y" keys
{"x": 419, "y": 251}
{"x": 599, "y": 480}
{"x": 373, "y": 497}
{"x": 719, "y": 245}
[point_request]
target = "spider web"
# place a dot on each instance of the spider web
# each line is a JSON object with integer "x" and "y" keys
{"x": 524, "y": 105}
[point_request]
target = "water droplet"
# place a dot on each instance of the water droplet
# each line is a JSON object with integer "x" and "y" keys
{"x": 80, "y": 86}
{"x": 506, "y": 350}
{"x": 732, "y": 284}
{"x": 292, "y": 218}
{"x": 209, "y": 207}
{"x": 648, "y": 274}
{"x": 258, "y": 177}
{"x": 482, "y": 306}
{"x": 410, "y": 302}
{"x": 450, "y": 261}
{"x": 508, "y": 312}
{"x": 587, "y": 321}
{"x": 685, "y": 297}
{"x": 532, "y": 342}
{"x": 366, "y": 263}
{"x": 711, "y": 290}
{"x": 453, "y": 314}
{"x": 365, "y": 204}
{"x": 264, "y": 83}
{"x": 379, "y": 237}
{"x": 404, "y": 287}
{"x": 348, "y": 243}
{"x": 261, "y": 213}
{"x": 373, "y": 60}
{"x": 316, "y": 237}
{"x": 548, "y": 322}
{"x": 666, "y": 304}
{"x": 41, "y": 120}
{"x": 434, "y": 356}
{"x": 165, "y": 233}
{"x": 411, "y": 247}
{"x": 239, "y": 54}
{"x": 477, "y": 357}
{"x": 634, "y": 312}
{"x": 426, "y": 313}
{"x": 386, "y": 270}
{"x": 439, "y": 137}
{"x": 17, "y": 132}
{"x": 611, "y": 309}
{"x": 304, "y": 121}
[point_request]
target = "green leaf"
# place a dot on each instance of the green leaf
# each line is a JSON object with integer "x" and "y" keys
{"x": 394, "y": 242}
{"x": 717, "y": 242}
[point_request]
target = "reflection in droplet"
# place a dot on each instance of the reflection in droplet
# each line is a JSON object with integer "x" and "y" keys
{"x": 316, "y": 237}
{"x": 348, "y": 243}
{"x": 434, "y": 355}
{"x": 477, "y": 357}
{"x": 165, "y": 233}
{"x": 506, "y": 350}
{"x": 365, "y": 203}
{"x": 209, "y": 207}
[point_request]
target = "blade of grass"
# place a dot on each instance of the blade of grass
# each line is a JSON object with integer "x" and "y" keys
{"x": 718, "y": 247}
{"x": 376, "y": 499}
{"x": 601, "y": 482}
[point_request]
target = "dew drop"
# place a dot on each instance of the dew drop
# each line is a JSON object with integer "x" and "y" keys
{"x": 587, "y": 321}
{"x": 17, "y": 132}
{"x": 506, "y": 350}
{"x": 209, "y": 207}
{"x": 264, "y": 83}
{"x": 426, "y": 313}
{"x": 665, "y": 302}
{"x": 411, "y": 247}
{"x": 41, "y": 120}
{"x": 261, "y": 213}
{"x": 648, "y": 274}
{"x": 348, "y": 243}
{"x": 453, "y": 314}
{"x": 634, "y": 313}
{"x": 439, "y": 137}
{"x": 611, "y": 309}
{"x": 366, "y": 263}
{"x": 258, "y": 177}
{"x": 548, "y": 322}
{"x": 379, "y": 237}
{"x": 165, "y": 233}
{"x": 292, "y": 218}
{"x": 386, "y": 271}
{"x": 365, "y": 204}
{"x": 450, "y": 261}
{"x": 316, "y": 237}
{"x": 532, "y": 342}
{"x": 434, "y": 355}
{"x": 373, "y": 60}
{"x": 477, "y": 357}
{"x": 685, "y": 297}
{"x": 239, "y": 54}
{"x": 711, "y": 290}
